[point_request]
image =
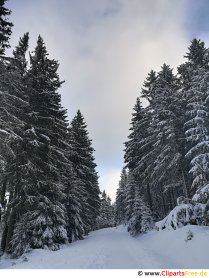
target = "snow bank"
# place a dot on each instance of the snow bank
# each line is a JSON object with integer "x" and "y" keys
{"x": 174, "y": 248}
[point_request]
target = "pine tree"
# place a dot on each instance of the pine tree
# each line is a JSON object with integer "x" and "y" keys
{"x": 139, "y": 145}
{"x": 141, "y": 219}
{"x": 85, "y": 169}
{"x": 19, "y": 62}
{"x": 43, "y": 221}
{"x": 129, "y": 191}
{"x": 120, "y": 203}
{"x": 106, "y": 215}
{"x": 6, "y": 96}
{"x": 138, "y": 130}
{"x": 148, "y": 86}
{"x": 165, "y": 152}
{"x": 6, "y": 27}
{"x": 194, "y": 79}
{"x": 17, "y": 107}
{"x": 75, "y": 197}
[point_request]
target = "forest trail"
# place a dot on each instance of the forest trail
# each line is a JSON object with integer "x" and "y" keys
{"x": 114, "y": 248}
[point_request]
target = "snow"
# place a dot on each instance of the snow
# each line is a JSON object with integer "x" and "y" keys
{"x": 114, "y": 248}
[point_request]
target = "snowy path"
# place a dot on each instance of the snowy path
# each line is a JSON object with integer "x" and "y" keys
{"x": 114, "y": 248}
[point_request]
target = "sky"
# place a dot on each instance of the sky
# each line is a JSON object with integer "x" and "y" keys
{"x": 106, "y": 48}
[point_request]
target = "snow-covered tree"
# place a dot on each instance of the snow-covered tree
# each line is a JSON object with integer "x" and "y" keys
{"x": 15, "y": 105}
{"x": 106, "y": 215}
{"x": 85, "y": 169}
{"x": 194, "y": 77}
{"x": 42, "y": 221}
{"x": 141, "y": 219}
{"x": 120, "y": 203}
{"x": 129, "y": 191}
{"x": 6, "y": 27}
{"x": 138, "y": 148}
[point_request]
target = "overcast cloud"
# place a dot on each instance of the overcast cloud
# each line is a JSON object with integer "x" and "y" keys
{"x": 105, "y": 49}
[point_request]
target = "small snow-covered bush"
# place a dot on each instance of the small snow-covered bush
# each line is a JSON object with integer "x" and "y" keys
{"x": 184, "y": 214}
{"x": 180, "y": 216}
{"x": 188, "y": 211}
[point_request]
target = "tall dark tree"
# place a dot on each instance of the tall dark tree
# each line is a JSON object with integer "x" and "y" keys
{"x": 194, "y": 74}
{"x": 19, "y": 61}
{"x": 120, "y": 203}
{"x": 6, "y": 96}
{"x": 43, "y": 221}
{"x": 6, "y": 27}
{"x": 16, "y": 107}
{"x": 85, "y": 169}
{"x": 138, "y": 148}
{"x": 129, "y": 191}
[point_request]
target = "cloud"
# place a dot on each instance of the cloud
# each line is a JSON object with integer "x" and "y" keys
{"x": 109, "y": 182}
{"x": 105, "y": 49}
{"x": 196, "y": 18}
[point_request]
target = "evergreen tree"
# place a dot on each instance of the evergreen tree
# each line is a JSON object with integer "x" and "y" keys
{"x": 6, "y": 95}
{"x": 106, "y": 215}
{"x": 120, "y": 203}
{"x": 148, "y": 86}
{"x": 138, "y": 130}
{"x": 141, "y": 219}
{"x": 75, "y": 197}
{"x": 138, "y": 147}
{"x": 6, "y": 27}
{"x": 129, "y": 196}
{"x": 85, "y": 169}
{"x": 19, "y": 62}
{"x": 16, "y": 107}
{"x": 165, "y": 154}
{"x": 194, "y": 77}
{"x": 43, "y": 221}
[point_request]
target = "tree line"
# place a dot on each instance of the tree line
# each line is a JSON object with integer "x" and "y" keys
{"x": 49, "y": 193}
{"x": 167, "y": 151}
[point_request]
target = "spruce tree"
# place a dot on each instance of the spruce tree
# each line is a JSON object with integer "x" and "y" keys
{"x": 120, "y": 203}
{"x": 194, "y": 77}
{"x": 6, "y": 27}
{"x": 141, "y": 218}
{"x": 84, "y": 167}
{"x": 106, "y": 213}
{"x": 138, "y": 147}
{"x": 129, "y": 191}
{"x": 17, "y": 107}
{"x": 43, "y": 221}
{"x": 165, "y": 154}
{"x": 19, "y": 62}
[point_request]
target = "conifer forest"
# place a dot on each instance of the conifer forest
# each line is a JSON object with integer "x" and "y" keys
{"x": 49, "y": 184}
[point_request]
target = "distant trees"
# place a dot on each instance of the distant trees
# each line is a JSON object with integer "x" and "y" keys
{"x": 167, "y": 152}
{"x": 49, "y": 192}
{"x": 106, "y": 215}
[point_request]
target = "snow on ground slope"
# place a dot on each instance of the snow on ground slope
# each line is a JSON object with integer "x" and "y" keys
{"x": 115, "y": 248}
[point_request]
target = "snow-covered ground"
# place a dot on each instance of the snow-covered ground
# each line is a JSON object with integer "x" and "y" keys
{"x": 115, "y": 248}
